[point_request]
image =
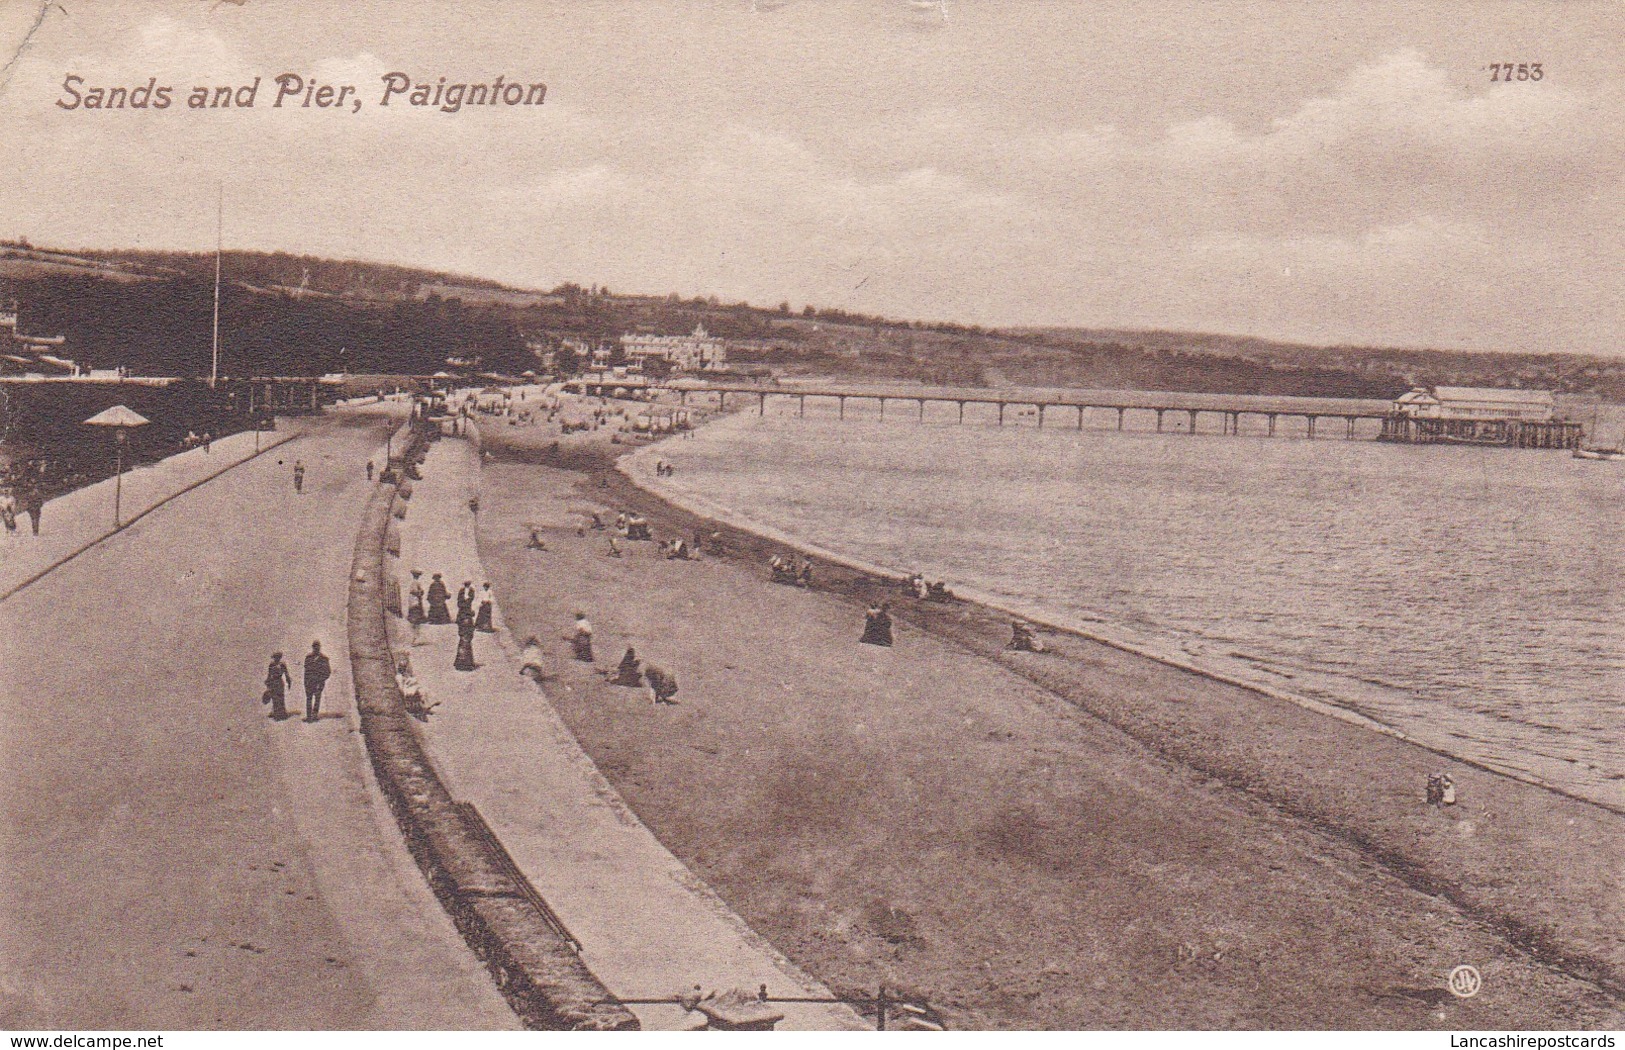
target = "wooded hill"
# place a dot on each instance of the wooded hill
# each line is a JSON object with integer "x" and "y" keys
{"x": 298, "y": 315}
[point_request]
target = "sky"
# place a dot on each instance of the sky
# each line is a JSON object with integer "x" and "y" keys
{"x": 1327, "y": 172}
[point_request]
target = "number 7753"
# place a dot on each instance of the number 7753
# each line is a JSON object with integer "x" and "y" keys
{"x": 1506, "y": 72}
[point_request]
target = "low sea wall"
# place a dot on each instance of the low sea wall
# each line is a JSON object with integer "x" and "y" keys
{"x": 536, "y": 969}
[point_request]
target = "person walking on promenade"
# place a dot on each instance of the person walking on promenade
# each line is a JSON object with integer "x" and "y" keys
{"x": 298, "y": 477}
{"x": 438, "y": 597}
{"x": 318, "y": 669}
{"x": 29, "y": 502}
{"x": 482, "y": 616}
{"x": 277, "y": 683}
{"x": 877, "y": 625}
{"x": 465, "y": 600}
{"x": 581, "y": 638}
{"x": 415, "y": 613}
{"x": 465, "y": 642}
{"x": 369, "y": 470}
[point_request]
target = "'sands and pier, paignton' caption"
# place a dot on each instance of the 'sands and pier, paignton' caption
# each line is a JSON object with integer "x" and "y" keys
{"x": 293, "y": 91}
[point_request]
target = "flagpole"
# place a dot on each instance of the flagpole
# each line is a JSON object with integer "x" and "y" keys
{"x": 219, "y": 222}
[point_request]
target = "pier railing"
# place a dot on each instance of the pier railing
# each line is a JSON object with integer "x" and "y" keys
{"x": 1191, "y": 408}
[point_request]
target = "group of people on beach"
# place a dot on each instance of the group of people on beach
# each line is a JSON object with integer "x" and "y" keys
{"x": 432, "y": 605}
{"x": 631, "y": 673}
{"x": 278, "y": 680}
{"x": 933, "y": 591}
{"x": 785, "y": 570}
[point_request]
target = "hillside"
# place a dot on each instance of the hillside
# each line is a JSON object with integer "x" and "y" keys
{"x": 292, "y": 315}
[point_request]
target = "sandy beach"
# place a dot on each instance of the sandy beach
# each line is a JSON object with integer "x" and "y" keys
{"x": 1082, "y": 838}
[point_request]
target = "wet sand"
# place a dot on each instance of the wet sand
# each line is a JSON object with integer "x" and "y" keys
{"x": 1077, "y": 839}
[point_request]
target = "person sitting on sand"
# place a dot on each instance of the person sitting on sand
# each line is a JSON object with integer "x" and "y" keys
{"x": 677, "y": 550}
{"x": 662, "y": 685}
{"x": 597, "y": 522}
{"x": 532, "y": 661}
{"x": 804, "y": 574}
{"x": 614, "y": 548}
{"x": 627, "y": 672}
{"x": 580, "y": 638}
{"x": 536, "y": 542}
{"x": 620, "y": 523}
{"x": 877, "y": 625}
{"x": 637, "y": 528}
{"x": 1022, "y": 638}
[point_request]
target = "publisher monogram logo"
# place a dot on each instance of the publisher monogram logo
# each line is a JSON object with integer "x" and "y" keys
{"x": 1465, "y": 982}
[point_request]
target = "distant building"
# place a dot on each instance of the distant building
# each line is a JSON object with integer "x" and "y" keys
{"x": 1477, "y": 403}
{"x": 697, "y": 352}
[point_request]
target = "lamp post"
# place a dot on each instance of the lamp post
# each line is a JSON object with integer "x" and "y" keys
{"x": 121, "y": 418}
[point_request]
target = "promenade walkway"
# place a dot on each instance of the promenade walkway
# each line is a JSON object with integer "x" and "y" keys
{"x": 648, "y": 926}
{"x": 85, "y": 515}
{"x": 169, "y": 857}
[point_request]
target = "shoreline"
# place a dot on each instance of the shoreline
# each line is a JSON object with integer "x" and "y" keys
{"x": 1361, "y": 789}
{"x": 630, "y": 464}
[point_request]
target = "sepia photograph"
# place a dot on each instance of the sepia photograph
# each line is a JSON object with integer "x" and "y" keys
{"x": 990, "y": 516}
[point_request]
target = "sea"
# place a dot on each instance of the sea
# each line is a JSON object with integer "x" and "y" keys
{"x": 1468, "y": 598}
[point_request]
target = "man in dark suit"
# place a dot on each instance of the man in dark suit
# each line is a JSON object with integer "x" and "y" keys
{"x": 317, "y": 671}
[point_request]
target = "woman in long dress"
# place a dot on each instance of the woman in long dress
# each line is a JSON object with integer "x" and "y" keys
{"x": 438, "y": 599}
{"x": 581, "y": 639}
{"x": 465, "y": 644}
{"x": 482, "y": 619}
{"x": 415, "y": 613}
{"x": 877, "y": 625}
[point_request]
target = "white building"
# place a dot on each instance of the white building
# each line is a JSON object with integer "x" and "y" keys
{"x": 699, "y": 351}
{"x": 1477, "y": 402}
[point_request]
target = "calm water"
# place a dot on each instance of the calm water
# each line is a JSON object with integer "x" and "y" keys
{"x": 1468, "y": 597}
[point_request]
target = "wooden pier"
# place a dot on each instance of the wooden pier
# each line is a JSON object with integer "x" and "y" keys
{"x": 1510, "y": 433}
{"x": 1191, "y": 407}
